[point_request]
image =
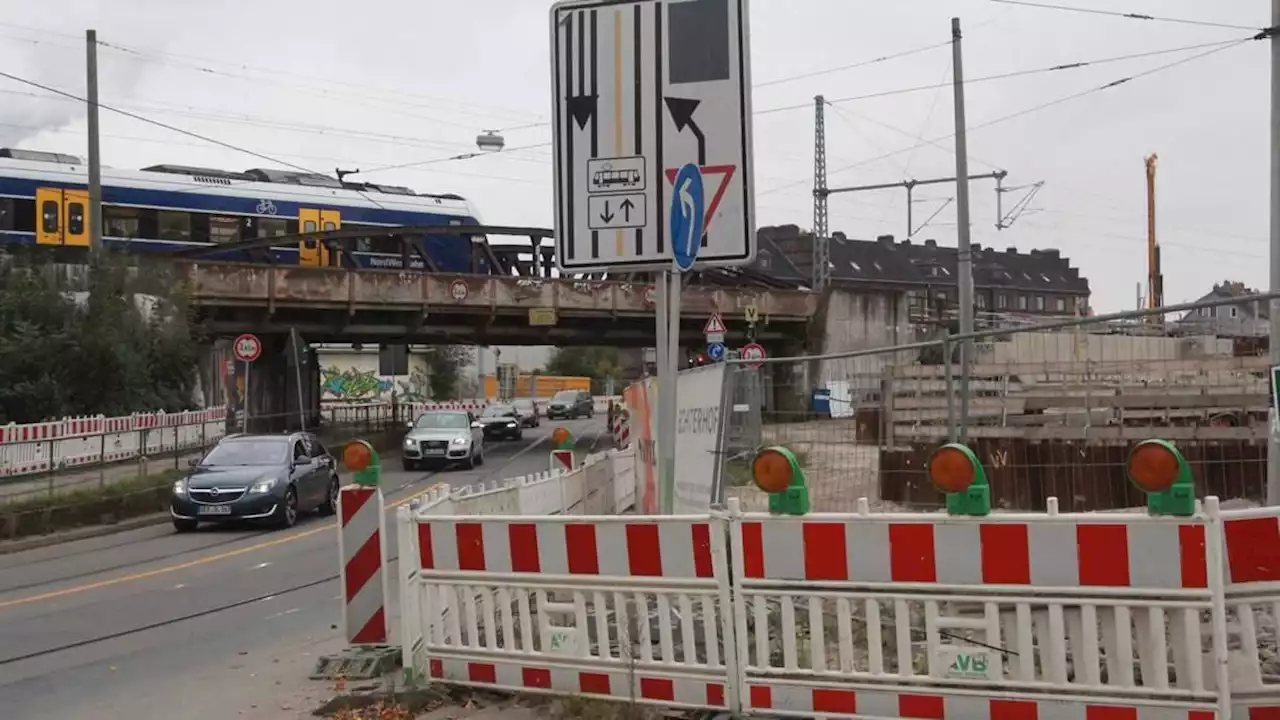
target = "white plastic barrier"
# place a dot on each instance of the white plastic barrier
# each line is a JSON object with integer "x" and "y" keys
{"x": 380, "y": 411}
{"x": 39, "y": 447}
{"x": 1083, "y": 616}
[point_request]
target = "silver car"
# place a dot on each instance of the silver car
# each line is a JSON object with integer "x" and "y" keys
{"x": 443, "y": 437}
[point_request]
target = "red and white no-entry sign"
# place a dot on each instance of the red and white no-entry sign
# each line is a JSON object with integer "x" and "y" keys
{"x": 752, "y": 354}
{"x": 563, "y": 461}
{"x": 247, "y": 348}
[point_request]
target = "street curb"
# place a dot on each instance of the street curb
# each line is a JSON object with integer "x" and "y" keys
{"x": 9, "y": 547}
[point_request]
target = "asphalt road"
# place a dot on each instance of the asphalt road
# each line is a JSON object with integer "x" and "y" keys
{"x": 215, "y": 624}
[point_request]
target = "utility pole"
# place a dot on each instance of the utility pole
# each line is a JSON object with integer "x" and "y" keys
{"x": 1273, "y": 449}
{"x": 1155, "y": 279}
{"x": 964, "y": 256}
{"x": 821, "y": 243}
{"x": 911, "y": 185}
{"x": 95, "y": 155}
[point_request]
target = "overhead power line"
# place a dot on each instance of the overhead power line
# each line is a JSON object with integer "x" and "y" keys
{"x": 1126, "y": 15}
{"x": 1037, "y": 108}
{"x": 173, "y": 128}
{"x": 862, "y": 63}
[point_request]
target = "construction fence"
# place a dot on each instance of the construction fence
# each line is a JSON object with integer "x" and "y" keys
{"x": 1051, "y": 409}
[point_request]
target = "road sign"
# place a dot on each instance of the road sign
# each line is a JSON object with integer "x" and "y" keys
{"x": 542, "y": 316}
{"x": 714, "y": 325}
{"x": 247, "y": 348}
{"x": 688, "y": 208}
{"x": 752, "y": 312}
{"x": 641, "y": 90}
{"x": 753, "y": 354}
{"x": 458, "y": 290}
{"x": 563, "y": 461}
{"x": 715, "y": 351}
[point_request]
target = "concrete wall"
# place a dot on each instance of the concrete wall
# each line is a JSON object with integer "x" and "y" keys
{"x": 1079, "y": 346}
{"x": 861, "y": 321}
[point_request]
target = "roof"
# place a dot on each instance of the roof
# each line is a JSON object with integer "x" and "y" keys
{"x": 1228, "y": 289}
{"x": 785, "y": 253}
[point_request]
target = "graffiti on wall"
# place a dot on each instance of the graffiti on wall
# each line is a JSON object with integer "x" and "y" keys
{"x": 353, "y": 384}
{"x": 416, "y": 389}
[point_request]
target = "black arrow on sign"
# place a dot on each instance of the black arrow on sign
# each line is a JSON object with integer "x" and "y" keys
{"x": 582, "y": 108}
{"x": 682, "y": 110}
{"x": 627, "y": 205}
{"x": 606, "y": 215}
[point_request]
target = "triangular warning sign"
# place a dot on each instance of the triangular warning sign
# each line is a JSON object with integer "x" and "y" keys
{"x": 562, "y": 460}
{"x": 724, "y": 173}
{"x": 714, "y": 326}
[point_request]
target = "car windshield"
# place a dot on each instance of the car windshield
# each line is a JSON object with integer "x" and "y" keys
{"x": 525, "y": 404}
{"x": 266, "y": 451}
{"x": 498, "y": 411}
{"x": 565, "y": 396}
{"x": 442, "y": 421}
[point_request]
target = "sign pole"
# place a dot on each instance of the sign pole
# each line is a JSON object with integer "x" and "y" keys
{"x": 247, "y": 396}
{"x": 667, "y": 405}
{"x": 666, "y": 380}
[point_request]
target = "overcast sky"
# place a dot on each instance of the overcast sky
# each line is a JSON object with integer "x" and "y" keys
{"x": 375, "y": 83}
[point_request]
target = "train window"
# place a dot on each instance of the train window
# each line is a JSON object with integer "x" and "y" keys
{"x": 328, "y": 226}
{"x": 174, "y": 225}
{"x": 309, "y": 226}
{"x": 271, "y": 227}
{"x": 49, "y": 216}
{"x": 224, "y": 229}
{"x": 75, "y": 218}
{"x": 6, "y": 214}
{"x": 121, "y": 222}
{"x": 24, "y": 215}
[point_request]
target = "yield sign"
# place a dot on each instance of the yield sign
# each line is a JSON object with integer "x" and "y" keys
{"x": 714, "y": 326}
{"x": 720, "y": 174}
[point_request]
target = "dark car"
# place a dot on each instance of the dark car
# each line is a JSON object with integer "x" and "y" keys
{"x": 530, "y": 415}
{"x": 501, "y": 422}
{"x": 257, "y": 477}
{"x": 570, "y": 404}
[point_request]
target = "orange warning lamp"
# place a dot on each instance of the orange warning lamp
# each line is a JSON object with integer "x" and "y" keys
{"x": 562, "y": 439}
{"x": 776, "y": 470}
{"x": 360, "y": 458}
{"x": 1157, "y": 468}
{"x": 955, "y": 470}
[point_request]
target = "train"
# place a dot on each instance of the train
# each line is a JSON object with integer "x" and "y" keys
{"x": 164, "y": 208}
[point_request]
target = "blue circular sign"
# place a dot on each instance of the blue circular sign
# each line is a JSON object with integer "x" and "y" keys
{"x": 688, "y": 208}
{"x": 715, "y": 351}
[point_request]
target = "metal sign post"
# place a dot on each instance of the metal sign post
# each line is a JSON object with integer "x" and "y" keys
{"x": 247, "y": 348}
{"x": 653, "y": 155}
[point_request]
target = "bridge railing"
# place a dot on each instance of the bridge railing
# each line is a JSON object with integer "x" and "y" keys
{"x": 1117, "y": 615}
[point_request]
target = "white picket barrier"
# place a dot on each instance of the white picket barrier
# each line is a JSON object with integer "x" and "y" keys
{"x": 1051, "y": 616}
{"x": 74, "y": 442}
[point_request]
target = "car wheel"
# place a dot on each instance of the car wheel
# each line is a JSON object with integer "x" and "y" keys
{"x": 520, "y": 435}
{"x": 407, "y": 464}
{"x": 184, "y": 525}
{"x": 470, "y": 462}
{"x": 480, "y": 455}
{"x": 330, "y": 504}
{"x": 287, "y": 512}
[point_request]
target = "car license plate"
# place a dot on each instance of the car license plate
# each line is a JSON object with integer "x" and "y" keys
{"x": 433, "y": 451}
{"x": 214, "y": 510}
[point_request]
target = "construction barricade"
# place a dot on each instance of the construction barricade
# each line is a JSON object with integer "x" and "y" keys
{"x": 1168, "y": 613}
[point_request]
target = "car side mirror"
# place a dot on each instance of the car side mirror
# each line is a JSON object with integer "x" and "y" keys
{"x": 408, "y": 425}
{"x": 193, "y": 462}
{"x": 476, "y": 426}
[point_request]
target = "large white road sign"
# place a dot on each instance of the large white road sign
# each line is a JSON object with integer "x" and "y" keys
{"x": 642, "y": 89}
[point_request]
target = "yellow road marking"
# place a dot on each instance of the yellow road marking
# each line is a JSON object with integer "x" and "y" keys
{"x": 77, "y": 589}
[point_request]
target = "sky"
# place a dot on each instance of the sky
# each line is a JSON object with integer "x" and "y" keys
{"x": 320, "y": 85}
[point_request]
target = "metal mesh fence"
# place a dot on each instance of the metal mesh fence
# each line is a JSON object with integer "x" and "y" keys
{"x": 1050, "y": 409}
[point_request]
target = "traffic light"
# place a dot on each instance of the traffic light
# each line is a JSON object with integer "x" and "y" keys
{"x": 1157, "y": 468}
{"x": 955, "y": 470}
{"x": 777, "y": 472}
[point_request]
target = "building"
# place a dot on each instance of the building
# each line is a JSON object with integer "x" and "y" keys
{"x": 1007, "y": 284}
{"x": 1246, "y": 320}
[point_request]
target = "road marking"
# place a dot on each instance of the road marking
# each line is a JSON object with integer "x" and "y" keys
{"x": 198, "y": 562}
{"x": 259, "y": 566}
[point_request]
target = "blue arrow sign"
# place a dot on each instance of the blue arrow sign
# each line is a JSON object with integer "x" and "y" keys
{"x": 688, "y": 206}
{"x": 715, "y": 351}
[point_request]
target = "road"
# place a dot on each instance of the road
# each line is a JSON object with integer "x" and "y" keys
{"x": 216, "y": 624}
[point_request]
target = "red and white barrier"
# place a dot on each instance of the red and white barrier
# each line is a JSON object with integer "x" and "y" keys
{"x": 1010, "y": 616}
{"x": 621, "y": 427}
{"x": 39, "y": 447}
{"x": 363, "y": 549}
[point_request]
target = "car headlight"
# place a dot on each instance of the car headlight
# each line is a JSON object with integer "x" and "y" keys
{"x": 511, "y": 423}
{"x": 263, "y": 485}
{"x": 409, "y": 442}
{"x": 180, "y": 487}
{"x": 460, "y": 441}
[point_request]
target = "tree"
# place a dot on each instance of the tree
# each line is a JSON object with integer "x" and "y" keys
{"x": 444, "y": 364}
{"x": 596, "y": 363}
{"x": 117, "y": 342}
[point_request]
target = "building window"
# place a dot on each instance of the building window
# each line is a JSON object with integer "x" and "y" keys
{"x": 1234, "y": 311}
{"x": 1060, "y": 304}
{"x": 982, "y": 301}
{"x": 1039, "y": 303}
{"x": 1204, "y": 312}
{"x": 1022, "y": 302}
{"x": 1002, "y": 301}
{"x": 174, "y": 225}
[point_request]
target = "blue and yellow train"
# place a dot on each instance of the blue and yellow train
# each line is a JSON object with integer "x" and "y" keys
{"x": 164, "y": 208}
